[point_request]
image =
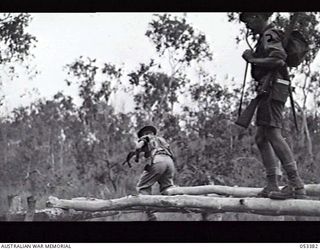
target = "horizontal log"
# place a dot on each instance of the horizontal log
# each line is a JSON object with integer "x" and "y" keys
{"x": 311, "y": 189}
{"x": 58, "y": 214}
{"x": 199, "y": 203}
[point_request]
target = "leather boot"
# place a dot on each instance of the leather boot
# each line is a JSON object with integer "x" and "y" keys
{"x": 295, "y": 189}
{"x": 288, "y": 192}
{"x": 272, "y": 185}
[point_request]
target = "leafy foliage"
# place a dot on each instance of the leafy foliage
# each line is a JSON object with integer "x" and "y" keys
{"x": 15, "y": 42}
{"x": 174, "y": 34}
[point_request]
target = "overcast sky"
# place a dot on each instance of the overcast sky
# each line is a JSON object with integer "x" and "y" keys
{"x": 117, "y": 38}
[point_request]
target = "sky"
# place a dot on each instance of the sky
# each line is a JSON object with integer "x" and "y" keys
{"x": 117, "y": 38}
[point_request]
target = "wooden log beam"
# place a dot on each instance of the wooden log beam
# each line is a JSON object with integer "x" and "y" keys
{"x": 311, "y": 189}
{"x": 199, "y": 203}
{"x": 58, "y": 214}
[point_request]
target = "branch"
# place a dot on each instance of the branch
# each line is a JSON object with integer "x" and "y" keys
{"x": 5, "y": 18}
{"x": 31, "y": 172}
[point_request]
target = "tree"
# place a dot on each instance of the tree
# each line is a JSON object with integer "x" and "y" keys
{"x": 180, "y": 44}
{"x": 149, "y": 101}
{"x": 92, "y": 90}
{"x": 15, "y": 41}
{"x": 98, "y": 147}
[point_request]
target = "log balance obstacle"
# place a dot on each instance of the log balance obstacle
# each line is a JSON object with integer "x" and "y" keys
{"x": 198, "y": 199}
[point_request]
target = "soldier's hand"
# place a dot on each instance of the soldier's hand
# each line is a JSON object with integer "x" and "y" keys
{"x": 247, "y": 55}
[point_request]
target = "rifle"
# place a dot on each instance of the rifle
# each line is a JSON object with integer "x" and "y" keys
{"x": 245, "y": 118}
{"x": 136, "y": 153}
{"x": 245, "y": 76}
{"x": 242, "y": 92}
{"x": 129, "y": 157}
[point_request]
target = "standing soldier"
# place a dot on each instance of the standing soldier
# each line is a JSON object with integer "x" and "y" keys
{"x": 269, "y": 69}
{"x": 161, "y": 166}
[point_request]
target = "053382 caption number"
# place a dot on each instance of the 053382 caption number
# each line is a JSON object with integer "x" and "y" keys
{"x": 313, "y": 246}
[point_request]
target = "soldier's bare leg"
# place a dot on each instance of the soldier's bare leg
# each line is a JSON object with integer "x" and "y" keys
{"x": 279, "y": 145}
{"x": 269, "y": 161}
{"x": 268, "y": 156}
{"x": 286, "y": 157}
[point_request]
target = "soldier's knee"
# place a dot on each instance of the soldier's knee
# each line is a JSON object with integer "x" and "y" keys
{"x": 274, "y": 134}
{"x": 260, "y": 139}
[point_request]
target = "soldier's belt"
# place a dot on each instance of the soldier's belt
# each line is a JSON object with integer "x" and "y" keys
{"x": 285, "y": 82}
{"x": 281, "y": 81}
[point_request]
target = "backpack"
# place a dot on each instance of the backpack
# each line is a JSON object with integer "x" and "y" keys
{"x": 296, "y": 48}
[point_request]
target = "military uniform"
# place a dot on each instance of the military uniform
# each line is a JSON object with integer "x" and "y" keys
{"x": 270, "y": 109}
{"x": 160, "y": 167}
{"x": 273, "y": 87}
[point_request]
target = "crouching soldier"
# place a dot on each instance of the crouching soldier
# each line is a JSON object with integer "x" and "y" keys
{"x": 161, "y": 166}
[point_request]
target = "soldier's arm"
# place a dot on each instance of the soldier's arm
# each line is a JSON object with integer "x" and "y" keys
{"x": 267, "y": 62}
{"x": 138, "y": 147}
{"x": 142, "y": 141}
{"x": 276, "y": 54}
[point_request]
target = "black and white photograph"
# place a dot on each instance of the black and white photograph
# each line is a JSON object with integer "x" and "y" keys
{"x": 160, "y": 117}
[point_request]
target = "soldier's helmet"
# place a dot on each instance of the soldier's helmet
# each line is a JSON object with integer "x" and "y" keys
{"x": 145, "y": 129}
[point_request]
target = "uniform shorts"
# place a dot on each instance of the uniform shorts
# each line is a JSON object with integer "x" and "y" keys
{"x": 161, "y": 171}
{"x": 270, "y": 113}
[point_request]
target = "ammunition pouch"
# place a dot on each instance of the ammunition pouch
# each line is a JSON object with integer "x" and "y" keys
{"x": 280, "y": 90}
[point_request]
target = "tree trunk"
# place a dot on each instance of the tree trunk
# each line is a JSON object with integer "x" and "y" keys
{"x": 61, "y": 154}
{"x": 311, "y": 189}
{"x": 194, "y": 203}
{"x": 304, "y": 127}
{"x": 31, "y": 180}
{"x": 307, "y": 137}
{"x": 31, "y": 202}
{"x": 14, "y": 206}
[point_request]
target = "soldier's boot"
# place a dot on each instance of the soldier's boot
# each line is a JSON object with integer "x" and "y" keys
{"x": 151, "y": 216}
{"x": 295, "y": 189}
{"x": 272, "y": 185}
